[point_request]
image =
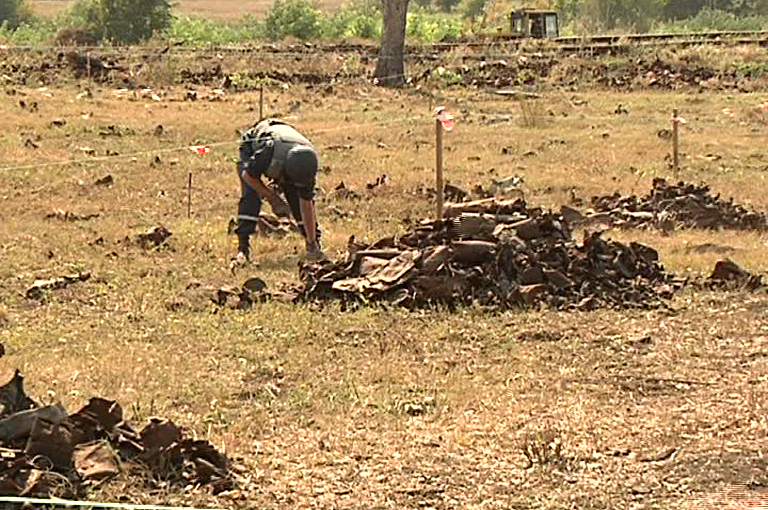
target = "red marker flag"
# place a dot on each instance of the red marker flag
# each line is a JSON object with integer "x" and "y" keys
{"x": 444, "y": 117}
{"x": 200, "y": 150}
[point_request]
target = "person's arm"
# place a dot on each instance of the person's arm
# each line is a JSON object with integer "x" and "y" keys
{"x": 278, "y": 204}
{"x": 310, "y": 223}
{"x": 259, "y": 187}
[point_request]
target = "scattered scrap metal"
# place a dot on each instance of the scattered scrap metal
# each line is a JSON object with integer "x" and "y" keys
{"x": 498, "y": 253}
{"x": 60, "y": 214}
{"x": 729, "y": 275}
{"x": 48, "y": 452}
{"x": 670, "y": 206}
{"x": 40, "y": 288}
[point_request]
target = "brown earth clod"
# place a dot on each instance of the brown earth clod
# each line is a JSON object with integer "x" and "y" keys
{"x": 154, "y": 237}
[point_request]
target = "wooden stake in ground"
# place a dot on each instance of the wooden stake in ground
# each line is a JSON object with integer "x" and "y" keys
{"x": 675, "y": 143}
{"x": 443, "y": 122}
{"x": 169, "y": 65}
{"x": 189, "y": 196}
{"x": 88, "y": 64}
{"x": 261, "y": 101}
{"x": 439, "y": 130}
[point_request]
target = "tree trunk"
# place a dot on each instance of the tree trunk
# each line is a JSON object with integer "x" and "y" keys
{"x": 390, "y": 68}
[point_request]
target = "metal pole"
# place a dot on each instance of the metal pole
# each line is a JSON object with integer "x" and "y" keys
{"x": 189, "y": 196}
{"x": 439, "y": 168}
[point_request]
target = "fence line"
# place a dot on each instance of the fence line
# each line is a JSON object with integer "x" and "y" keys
{"x": 184, "y": 148}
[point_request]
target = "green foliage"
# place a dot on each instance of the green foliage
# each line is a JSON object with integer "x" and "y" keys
{"x": 714, "y": 20}
{"x": 446, "y": 5}
{"x": 33, "y": 33}
{"x": 359, "y": 18}
{"x": 472, "y": 9}
{"x": 195, "y": 31}
{"x": 445, "y": 77}
{"x": 427, "y": 26}
{"x": 681, "y": 9}
{"x": 611, "y": 14}
{"x": 128, "y": 21}
{"x": 121, "y": 21}
{"x": 295, "y": 18}
{"x": 14, "y": 12}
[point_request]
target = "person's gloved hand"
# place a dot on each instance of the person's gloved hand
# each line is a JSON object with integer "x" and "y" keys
{"x": 280, "y": 207}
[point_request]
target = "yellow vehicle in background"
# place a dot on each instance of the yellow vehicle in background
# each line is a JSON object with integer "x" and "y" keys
{"x": 533, "y": 23}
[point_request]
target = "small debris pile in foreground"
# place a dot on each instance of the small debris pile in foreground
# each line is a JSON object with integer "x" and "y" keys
{"x": 47, "y": 452}
{"x": 497, "y": 253}
{"x": 670, "y": 206}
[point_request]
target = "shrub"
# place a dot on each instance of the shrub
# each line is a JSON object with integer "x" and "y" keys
{"x": 446, "y": 5}
{"x": 426, "y": 26}
{"x": 121, "y": 21}
{"x": 714, "y": 20}
{"x": 472, "y": 9}
{"x": 359, "y": 18}
{"x": 205, "y": 32}
{"x": 296, "y": 18}
{"x": 14, "y": 12}
{"x": 34, "y": 33}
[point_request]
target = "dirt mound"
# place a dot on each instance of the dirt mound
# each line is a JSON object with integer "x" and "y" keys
{"x": 496, "y": 253}
{"x": 661, "y": 74}
{"x": 215, "y": 75}
{"x": 683, "y": 205}
{"x": 47, "y": 452}
{"x": 656, "y": 73}
{"x": 500, "y": 73}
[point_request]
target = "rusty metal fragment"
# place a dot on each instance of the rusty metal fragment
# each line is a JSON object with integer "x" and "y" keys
{"x": 674, "y": 206}
{"x": 498, "y": 253}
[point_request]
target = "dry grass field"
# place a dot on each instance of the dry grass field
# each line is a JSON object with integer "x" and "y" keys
{"x": 651, "y": 409}
{"x": 210, "y": 9}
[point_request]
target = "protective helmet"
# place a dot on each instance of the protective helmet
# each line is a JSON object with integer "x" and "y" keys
{"x": 301, "y": 166}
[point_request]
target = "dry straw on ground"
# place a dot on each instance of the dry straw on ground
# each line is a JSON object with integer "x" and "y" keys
{"x": 382, "y": 408}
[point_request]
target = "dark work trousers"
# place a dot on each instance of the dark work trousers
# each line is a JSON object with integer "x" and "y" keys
{"x": 249, "y": 208}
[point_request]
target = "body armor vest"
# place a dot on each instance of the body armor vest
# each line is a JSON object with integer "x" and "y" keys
{"x": 284, "y": 138}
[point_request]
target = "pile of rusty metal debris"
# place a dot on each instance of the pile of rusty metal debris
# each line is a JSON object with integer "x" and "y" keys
{"x": 497, "y": 253}
{"x": 671, "y": 206}
{"x": 48, "y": 452}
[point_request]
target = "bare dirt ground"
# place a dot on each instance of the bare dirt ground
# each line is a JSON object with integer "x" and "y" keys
{"x": 384, "y": 408}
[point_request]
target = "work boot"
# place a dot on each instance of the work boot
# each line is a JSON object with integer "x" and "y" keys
{"x": 244, "y": 247}
{"x": 315, "y": 253}
{"x": 242, "y": 258}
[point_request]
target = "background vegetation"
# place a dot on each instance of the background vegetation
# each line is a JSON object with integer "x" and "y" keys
{"x": 127, "y": 21}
